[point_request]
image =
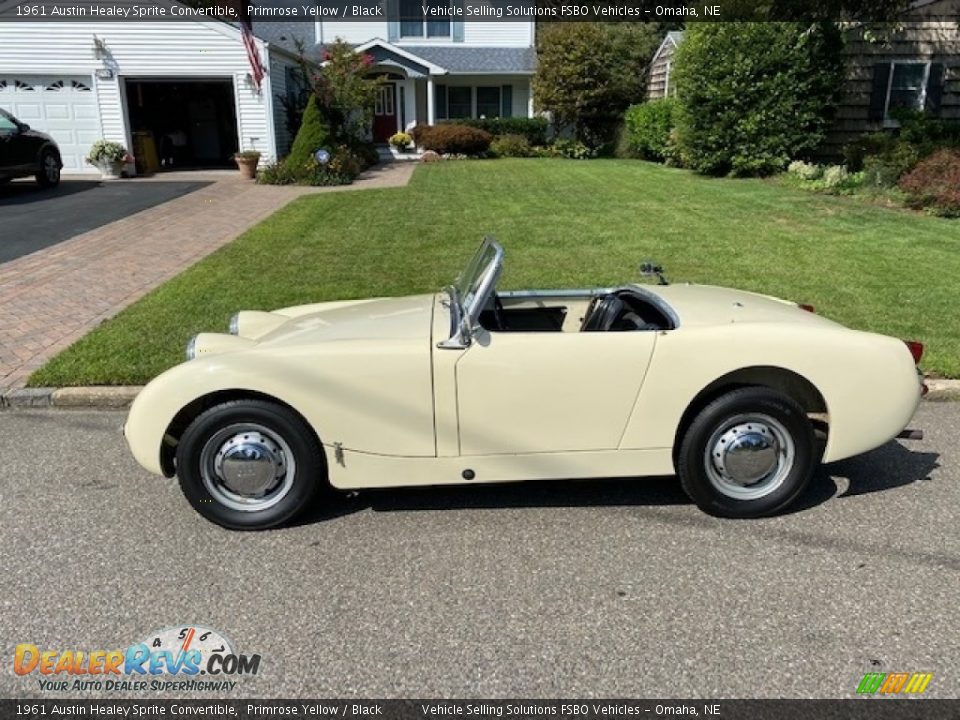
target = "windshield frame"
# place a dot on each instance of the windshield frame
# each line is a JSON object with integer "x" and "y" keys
{"x": 471, "y": 291}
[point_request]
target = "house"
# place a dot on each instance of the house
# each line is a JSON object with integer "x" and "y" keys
{"x": 186, "y": 83}
{"x": 917, "y": 67}
{"x": 434, "y": 69}
{"x": 658, "y": 72}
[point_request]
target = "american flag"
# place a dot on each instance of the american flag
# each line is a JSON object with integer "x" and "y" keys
{"x": 253, "y": 57}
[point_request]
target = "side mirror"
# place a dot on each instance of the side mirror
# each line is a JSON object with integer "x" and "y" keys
{"x": 24, "y": 127}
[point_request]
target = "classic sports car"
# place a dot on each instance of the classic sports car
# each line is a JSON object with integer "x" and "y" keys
{"x": 741, "y": 395}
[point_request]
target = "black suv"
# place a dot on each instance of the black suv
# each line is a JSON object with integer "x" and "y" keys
{"x": 25, "y": 152}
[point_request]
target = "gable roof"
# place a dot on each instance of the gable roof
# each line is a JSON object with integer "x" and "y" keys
{"x": 447, "y": 59}
{"x": 672, "y": 38}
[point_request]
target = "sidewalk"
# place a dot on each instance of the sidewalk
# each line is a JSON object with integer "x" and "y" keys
{"x": 52, "y": 297}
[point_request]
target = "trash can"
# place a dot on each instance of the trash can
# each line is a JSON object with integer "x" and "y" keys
{"x": 145, "y": 153}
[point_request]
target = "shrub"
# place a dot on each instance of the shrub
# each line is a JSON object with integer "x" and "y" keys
{"x": 107, "y": 151}
{"x": 647, "y": 128}
{"x": 835, "y": 176}
{"x": 313, "y": 135}
{"x": 935, "y": 183}
{"x": 452, "y": 139}
{"x": 341, "y": 169}
{"x": 754, "y": 94}
{"x": 533, "y": 129}
{"x": 511, "y": 146}
{"x": 365, "y": 151}
{"x": 572, "y": 149}
{"x": 805, "y": 170}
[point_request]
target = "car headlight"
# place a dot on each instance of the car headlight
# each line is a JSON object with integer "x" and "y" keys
{"x": 192, "y": 348}
{"x": 235, "y": 324}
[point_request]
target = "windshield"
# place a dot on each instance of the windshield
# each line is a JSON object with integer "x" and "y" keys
{"x": 476, "y": 282}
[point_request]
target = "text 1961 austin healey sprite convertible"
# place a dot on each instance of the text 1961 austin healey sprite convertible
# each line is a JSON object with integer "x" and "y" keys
{"x": 741, "y": 395}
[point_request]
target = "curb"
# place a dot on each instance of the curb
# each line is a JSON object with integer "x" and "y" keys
{"x": 71, "y": 397}
{"x": 120, "y": 397}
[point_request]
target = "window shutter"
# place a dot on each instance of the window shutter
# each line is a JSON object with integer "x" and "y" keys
{"x": 506, "y": 101}
{"x": 878, "y": 96}
{"x": 440, "y": 98}
{"x": 393, "y": 20}
{"x": 934, "y": 89}
{"x": 458, "y": 30}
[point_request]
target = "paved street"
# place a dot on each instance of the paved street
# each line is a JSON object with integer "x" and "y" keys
{"x": 612, "y": 589}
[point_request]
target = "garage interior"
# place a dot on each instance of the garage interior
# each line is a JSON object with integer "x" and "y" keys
{"x": 182, "y": 124}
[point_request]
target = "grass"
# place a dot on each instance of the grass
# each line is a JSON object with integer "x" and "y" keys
{"x": 563, "y": 223}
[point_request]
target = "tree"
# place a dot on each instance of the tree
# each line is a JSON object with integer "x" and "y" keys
{"x": 588, "y": 73}
{"x": 753, "y": 96}
{"x": 314, "y": 134}
{"x": 345, "y": 91}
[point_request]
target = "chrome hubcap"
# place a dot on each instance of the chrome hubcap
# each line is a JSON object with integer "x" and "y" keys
{"x": 749, "y": 456}
{"x": 247, "y": 467}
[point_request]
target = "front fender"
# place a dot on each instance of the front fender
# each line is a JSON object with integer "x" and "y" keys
{"x": 369, "y": 399}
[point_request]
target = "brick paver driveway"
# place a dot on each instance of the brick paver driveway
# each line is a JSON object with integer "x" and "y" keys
{"x": 52, "y": 297}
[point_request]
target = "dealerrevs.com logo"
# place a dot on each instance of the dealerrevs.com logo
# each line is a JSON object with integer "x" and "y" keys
{"x": 173, "y": 659}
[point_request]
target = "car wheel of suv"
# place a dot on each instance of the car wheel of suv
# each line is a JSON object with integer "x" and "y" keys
{"x": 249, "y": 464}
{"x": 747, "y": 454}
{"x": 49, "y": 173}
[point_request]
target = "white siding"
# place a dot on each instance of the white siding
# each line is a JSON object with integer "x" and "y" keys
{"x": 203, "y": 49}
{"x": 490, "y": 34}
{"x": 278, "y": 79}
{"x": 498, "y": 34}
{"x": 354, "y": 33}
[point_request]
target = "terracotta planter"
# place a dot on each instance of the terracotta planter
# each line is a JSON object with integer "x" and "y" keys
{"x": 248, "y": 165}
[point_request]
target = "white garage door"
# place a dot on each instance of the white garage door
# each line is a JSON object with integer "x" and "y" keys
{"x": 63, "y": 106}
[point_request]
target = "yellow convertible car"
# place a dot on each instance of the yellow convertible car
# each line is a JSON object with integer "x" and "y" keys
{"x": 740, "y": 395}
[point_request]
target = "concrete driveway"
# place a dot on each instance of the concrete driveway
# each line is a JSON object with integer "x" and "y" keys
{"x": 570, "y": 589}
{"x": 34, "y": 218}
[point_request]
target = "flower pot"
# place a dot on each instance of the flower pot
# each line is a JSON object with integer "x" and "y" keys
{"x": 247, "y": 165}
{"x": 110, "y": 169}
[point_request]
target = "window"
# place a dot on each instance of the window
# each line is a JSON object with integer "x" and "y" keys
{"x": 7, "y": 125}
{"x": 415, "y": 23}
{"x": 907, "y": 87}
{"x": 459, "y": 102}
{"x": 488, "y": 102}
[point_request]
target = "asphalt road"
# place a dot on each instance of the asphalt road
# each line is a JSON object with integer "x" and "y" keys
{"x": 587, "y": 589}
{"x": 33, "y": 218}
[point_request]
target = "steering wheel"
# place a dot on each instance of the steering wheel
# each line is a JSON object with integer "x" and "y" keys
{"x": 498, "y": 313}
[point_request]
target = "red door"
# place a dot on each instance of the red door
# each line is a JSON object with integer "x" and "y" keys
{"x": 385, "y": 113}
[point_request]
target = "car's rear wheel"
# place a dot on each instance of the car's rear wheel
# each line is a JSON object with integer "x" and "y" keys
{"x": 749, "y": 453}
{"x": 249, "y": 464}
{"x": 49, "y": 173}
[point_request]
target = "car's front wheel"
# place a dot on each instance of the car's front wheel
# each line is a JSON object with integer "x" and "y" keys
{"x": 749, "y": 453}
{"x": 249, "y": 464}
{"x": 49, "y": 173}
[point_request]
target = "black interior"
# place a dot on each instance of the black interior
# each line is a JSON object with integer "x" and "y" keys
{"x": 619, "y": 311}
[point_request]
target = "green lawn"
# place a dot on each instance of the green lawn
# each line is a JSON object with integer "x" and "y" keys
{"x": 563, "y": 223}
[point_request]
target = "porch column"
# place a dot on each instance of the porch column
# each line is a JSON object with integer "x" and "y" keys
{"x": 431, "y": 110}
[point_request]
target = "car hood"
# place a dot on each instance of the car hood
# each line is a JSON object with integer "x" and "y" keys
{"x": 709, "y": 305}
{"x": 383, "y": 319}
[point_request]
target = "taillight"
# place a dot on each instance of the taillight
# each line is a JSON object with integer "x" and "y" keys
{"x": 916, "y": 349}
{"x": 808, "y": 308}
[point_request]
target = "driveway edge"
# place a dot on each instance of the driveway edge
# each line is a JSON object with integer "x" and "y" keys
{"x": 119, "y": 397}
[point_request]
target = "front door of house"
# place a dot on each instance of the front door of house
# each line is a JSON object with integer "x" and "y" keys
{"x": 385, "y": 113}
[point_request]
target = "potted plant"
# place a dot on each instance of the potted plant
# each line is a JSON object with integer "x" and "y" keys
{"x": 247, "y": 161}
{"x": 400, "y": 141}
{"x": 109, "y": 157}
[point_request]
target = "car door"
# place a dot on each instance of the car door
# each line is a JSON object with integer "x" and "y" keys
{"x": 543, "y": 392}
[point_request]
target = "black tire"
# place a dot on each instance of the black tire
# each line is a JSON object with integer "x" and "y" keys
{"x": 45, "y": 180}
{"x": 272, "y": 426}
{"x": 726, "y": 419}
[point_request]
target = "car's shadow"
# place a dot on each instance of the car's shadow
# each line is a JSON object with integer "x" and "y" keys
{"x": 24, "y": 192}
{"x": 886, "y": 468}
